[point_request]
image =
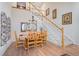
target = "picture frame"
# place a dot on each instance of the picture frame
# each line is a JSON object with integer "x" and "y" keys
{"x": 54, "y": 14}
{"x": 25, "y": 26}
{"x": 67, "y": 18}
{"x": 29, "y": 26}
{"x": 21, "y": 5}
{"x": 47, "y": 11}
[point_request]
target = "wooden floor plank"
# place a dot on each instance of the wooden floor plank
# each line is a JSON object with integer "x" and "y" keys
{"x": 47, "y": 50}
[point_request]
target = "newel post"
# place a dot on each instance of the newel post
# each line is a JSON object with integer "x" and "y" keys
{"x": 62, "y": 41}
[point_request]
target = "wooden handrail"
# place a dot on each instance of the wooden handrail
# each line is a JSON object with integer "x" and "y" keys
{"x": 61, "y": 29}
{"x": 45, "y": 16}
{"x": 36, "y": 7}
{"x": 62, "y": 41}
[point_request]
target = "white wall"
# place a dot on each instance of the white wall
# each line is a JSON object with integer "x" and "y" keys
{"x": 5, "y": 7}
{"x": 76, "y": 22}
{"x": 18, "y": 17}
{"x": 22, "y": 16}
{"x": 70, "y": 30}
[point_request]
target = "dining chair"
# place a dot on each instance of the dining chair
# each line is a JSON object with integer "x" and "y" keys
{"x": 30, "y": 40}
{"x": 39, "y": 39}
{"x": 19, "y": 42}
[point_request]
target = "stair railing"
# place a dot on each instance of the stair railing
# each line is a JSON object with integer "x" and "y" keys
{"x": 52, "y": 23}
{"x": 31, "y": 6}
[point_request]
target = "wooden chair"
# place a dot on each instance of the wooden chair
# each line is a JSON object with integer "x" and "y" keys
{"x": 19, "y": 42}
{"x": 45, "y": 35}
{"x": 30, "y": 40}
{"x": 39, "y": 39}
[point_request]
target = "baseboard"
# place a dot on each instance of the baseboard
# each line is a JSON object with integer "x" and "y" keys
{"x": 76, "y": 44}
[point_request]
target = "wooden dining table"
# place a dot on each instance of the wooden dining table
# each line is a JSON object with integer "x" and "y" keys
{"x": 38, "y": 35}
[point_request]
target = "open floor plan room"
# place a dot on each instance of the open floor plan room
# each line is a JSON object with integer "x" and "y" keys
{"x": 39, "y": 28}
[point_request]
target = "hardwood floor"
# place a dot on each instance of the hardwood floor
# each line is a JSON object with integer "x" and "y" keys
{"x": 47, "y": 50}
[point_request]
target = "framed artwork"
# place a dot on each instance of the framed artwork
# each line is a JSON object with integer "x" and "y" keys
{"x": 29, "y": 26}
{"x": 47, "y": 11}
{"x": 67, "y": 18}
{"x": 21, "y": 5}
{"x": 23, "y": 27}
{"x": 54, "y": 13}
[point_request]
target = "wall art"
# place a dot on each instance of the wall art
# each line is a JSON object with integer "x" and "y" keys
{"x": 21, "y": 5}
{"x": 5, "y": 28}
{"x": 67, "y": 18}
{"x": 54, "y": 14}
{"x": 47, "y": 11}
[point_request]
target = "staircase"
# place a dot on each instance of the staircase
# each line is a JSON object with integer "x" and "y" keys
{"x": 56, "y": 33}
